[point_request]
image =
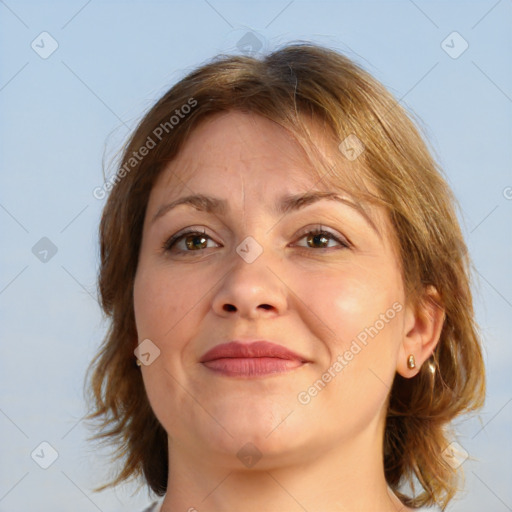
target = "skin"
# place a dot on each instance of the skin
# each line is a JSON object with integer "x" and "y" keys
{"x": 313, "y": 297}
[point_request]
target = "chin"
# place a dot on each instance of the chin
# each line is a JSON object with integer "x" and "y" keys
{"x": 272, "y": 430}
{"x": 253, "y": 449}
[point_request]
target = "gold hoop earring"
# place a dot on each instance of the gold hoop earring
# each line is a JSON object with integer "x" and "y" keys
{"x": 411, "y": 363}
{"x": 431, "y": 366}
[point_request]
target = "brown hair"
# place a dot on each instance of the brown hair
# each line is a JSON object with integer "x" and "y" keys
{"x": 290, "y": 86}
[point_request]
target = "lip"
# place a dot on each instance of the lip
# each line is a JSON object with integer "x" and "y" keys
{"x": 258, "y": 358}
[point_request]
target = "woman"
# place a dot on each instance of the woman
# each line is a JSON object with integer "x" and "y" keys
{"x": 291, "y": 318}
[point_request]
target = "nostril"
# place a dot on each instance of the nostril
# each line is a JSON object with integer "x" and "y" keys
{"x": 229, "y": 307}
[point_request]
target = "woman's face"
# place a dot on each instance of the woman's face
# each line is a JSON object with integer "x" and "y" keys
{"x": 258, "y": 271}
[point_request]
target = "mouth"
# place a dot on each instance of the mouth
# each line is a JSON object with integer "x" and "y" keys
{"x": 256, "y": 359}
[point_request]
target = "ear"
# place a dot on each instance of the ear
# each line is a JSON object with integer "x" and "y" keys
{"x": 422, "y": 330}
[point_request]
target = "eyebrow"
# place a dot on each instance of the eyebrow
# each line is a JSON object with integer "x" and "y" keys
{"x": 286, "y": 204}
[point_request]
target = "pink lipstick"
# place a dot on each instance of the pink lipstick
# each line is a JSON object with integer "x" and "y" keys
{"x": 259, "y": 358}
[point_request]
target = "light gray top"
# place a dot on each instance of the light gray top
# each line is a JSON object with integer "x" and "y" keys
{"x": 154, "y": 507}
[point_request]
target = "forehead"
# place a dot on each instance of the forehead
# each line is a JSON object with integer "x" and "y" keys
{"x": 236, "y": 145}
{"x": 247, "y": 161}
{"x": 239, "y": 157}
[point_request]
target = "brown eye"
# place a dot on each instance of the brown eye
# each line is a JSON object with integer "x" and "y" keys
{"x": 193, "y": 241}
{"x": 320, "y": 238}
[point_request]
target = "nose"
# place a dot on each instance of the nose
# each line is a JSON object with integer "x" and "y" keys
{"x": 251, "y": 290}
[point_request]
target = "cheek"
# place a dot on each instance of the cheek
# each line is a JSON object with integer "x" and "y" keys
{"x": 164, "y": 313}
{"x": 362, "y": 309}
{"x": 357, "y": 299}
{"x": 362, "y": 314}
{"x": 162, "y": 299}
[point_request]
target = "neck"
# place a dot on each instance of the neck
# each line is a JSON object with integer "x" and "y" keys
{"x": 349, "y": 477}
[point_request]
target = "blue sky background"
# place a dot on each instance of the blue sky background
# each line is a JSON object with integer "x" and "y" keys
{"x": 62, "y": 115}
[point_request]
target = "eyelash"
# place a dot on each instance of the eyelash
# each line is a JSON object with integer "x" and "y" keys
{"x": 173, "y": 240}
